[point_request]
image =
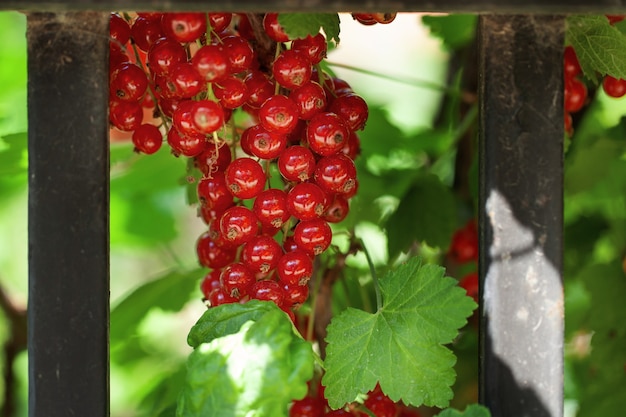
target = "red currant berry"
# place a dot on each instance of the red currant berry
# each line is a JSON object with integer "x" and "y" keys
{"x": 186, "y": 145}
{"x": 184, "y": 26}
{"x": 211, "y": 255}
{"x": 239, "y": 52}
{"x": 306, "y": 201}
{"x": 262, "y": 143}
{"x": 310, "y": 99}
{"x": 186, "y": 81}
{"x": 125, "y": 115}
{"x": 270, "y": 207}
{"x": 214, "y": 193}
{"x": 337, "y": 210}
{"x": 268, "y": 290}
{"x": 182, "y": 118}
{"x": 245, "y": 178}
{"x": 384, "y": 18}
{"x": 470, "y": 283}
{"x": 261, "y": 254}
{"x": 352, "y": 109}
{"x": 336, "y": 174}
{"x": 210, "y": 282}
{"x": 273, "y": 29}
{"x": 207, "y": 116}
{"x": 615, "y": 18}
{"x": 326, "y": 133}
{"x": 211, "y": 63}
{"x": 215, "y": 157}
{"x": 366, "y": 19}
{"x": 313, "y": 236}
{"x": 220, "y": 21}
{"x": 237, "y": 280}
{"x": 231, "y": 92}
{"x": 614, "y": 87}
{"x": 147, "y": 139}
{"x": 295, "y": 295}
{"x": 218, "y": 297}
{"x": 164, "y": 55}
{"x": 238, "y": 225}
{"x": 571, "y": 66}
{"x": 279, "y": 114}
{"x": 260, "y": 88}
{"x": 313, "y": 47}
{"x": 307, "y": 407}
{"x": 291, "y": 69}
{"x": 119, "y": 30}
{"x": 464, "y": 245}
{"x": 146, "y": 30}
{"x": 295, "y": 268}
{"x": 575, "y": 95}
{"x": 296, "y": 163}
{"x": 381, "y": 405}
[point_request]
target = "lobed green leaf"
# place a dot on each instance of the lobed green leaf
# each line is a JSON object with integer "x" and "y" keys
{"x": 472, "y": 410}
{"x": 301, "y": 25}
{"x": 401, "y": 345}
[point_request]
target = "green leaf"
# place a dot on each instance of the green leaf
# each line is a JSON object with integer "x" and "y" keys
{"x": 426, "y": 213}
{"x": 454, "y": 30}
{"x": 600, "y": 47}
{"x": 169, "y": 293}
{"x": 255, "y": 372}
{"x": 13, "y": 154}
{"x": 301, "y": 25}
{"x": 401, "y": 345}
{"x": 472, "y": 410}
{"x": 225, "y": 319}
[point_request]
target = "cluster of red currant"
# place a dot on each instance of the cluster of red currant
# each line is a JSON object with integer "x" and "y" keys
{"x": 464, "y": 249}
{"x": 239, "y": 98}
{"x": 369, "y": 19}
{"x": 315, "y": 405}
{"x": 575, "y": 94}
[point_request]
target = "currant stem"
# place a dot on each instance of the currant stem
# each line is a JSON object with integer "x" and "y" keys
{"x": 370, "y": 263}
{"x": 401, "y": 79}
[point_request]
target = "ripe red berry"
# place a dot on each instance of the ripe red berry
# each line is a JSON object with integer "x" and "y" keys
{"x": 279, "y": 114}
{"x": 214, "y": 193}
{"x": 296, "y": 163}
{"x": 125, "y": 115}
{"x": 263, "y": 144}
{"x": 307, "y": 407}
{"x": 220, "y": 21}
{"x": 211, "y": 63}
{"x": 147, "y": 139}
{"x": 146, "y": 30}
{"x": 218, "y": 296}
{"x": 336, "y": 174}
{"x": 261, "y": 254}
{"x": 270, "y": 207}
{"x": 306, "y": 201}
{"x": 237, "y": 279}
{"x": 238, "y": 225}
{"x": 313, "y": 236}
{"x": 470, "y": 283}
{"x": 615, "y": 18}
{"x": 268, "y": 290}
{"x": 210, "y": 282}
{"x": 614, "y": 87}
{"x": 215, "y": 157}
{"x": 183, "y": 26}
{"x": 231, "y": 92}
{"x": 239, "y": 53}
{"x": 571, "y": 66}
{"x": 245, "y": 178}
{"x": 207, "y": 116}
{"x": 119, "y": 30}
{"x": 575, "y": 95}
{"x": 337, "y": 210}
{"x": 326, "y": 133}
{"x": 464, "y": 245}
{"x": 295, "y": 295}
{"x": 273, "y": 29}
{"x": 384, "y": 18}
{"x": 295, "y": 268}
{"x": 211, "y": 255}
{"x": 291, "y": 69}
{"x": 310, "y": 99}
{"x": 164, "y": 55}
{"x": 313, "y": 47}
{"x": 186, "y": 145}
{"x": 260, "y": 88}
{"x": 352, "y": 109}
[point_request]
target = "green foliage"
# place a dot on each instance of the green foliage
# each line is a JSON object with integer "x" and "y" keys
{"x": 254, "y": 372}
{"x": 472, "y": 410}
{"x": 426, "y": 213}
{"x": 454, "y": 30}
{"x": 301, "y": 25}
{"x": 600, "y": 47}
{"x": 401, "y": 345}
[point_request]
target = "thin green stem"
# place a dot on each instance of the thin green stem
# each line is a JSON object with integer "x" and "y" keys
{"x": 370, "y": 263}
{"x": 466, "y": 123}
{"x": 400, "y": 79}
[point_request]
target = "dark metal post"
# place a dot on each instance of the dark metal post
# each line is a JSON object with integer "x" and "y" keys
{"x": 68, "y": 314}
{"x": 521, "y": 203}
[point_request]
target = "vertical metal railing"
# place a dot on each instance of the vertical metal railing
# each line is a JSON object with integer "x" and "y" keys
{"x": 68, "y": 210}
{"x": 521, "y": 218}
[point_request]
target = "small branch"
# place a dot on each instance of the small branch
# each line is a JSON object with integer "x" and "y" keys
{"x": 370, "y": 263}
{"x": 262, "y": 44}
